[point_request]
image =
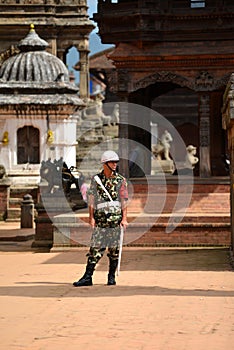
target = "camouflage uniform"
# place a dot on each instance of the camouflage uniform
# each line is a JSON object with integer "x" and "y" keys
{"x": 107, "y": 219}
{"x": 107, "y": 193}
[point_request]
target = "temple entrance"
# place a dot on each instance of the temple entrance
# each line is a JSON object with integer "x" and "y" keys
{"x": 28, "y": 145}
{"x": 183, "y": 108}
{"x": 178, "y": 105}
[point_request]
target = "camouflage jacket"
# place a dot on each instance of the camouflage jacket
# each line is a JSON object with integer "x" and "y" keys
{"x": 109, "y": 216}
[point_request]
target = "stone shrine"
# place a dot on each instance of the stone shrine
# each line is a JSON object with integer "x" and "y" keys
{"x": 37, "y": 102}
{"x": 62, "y": 23}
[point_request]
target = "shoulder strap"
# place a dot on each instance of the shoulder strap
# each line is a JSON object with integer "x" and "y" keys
{"x": 99, "y": 182}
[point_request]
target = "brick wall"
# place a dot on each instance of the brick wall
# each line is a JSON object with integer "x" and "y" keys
{"x": 209, "y": 198}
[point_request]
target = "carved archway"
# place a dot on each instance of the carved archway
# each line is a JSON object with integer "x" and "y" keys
{"x": 203, "y": 81}
{"x": 163, "y": 76}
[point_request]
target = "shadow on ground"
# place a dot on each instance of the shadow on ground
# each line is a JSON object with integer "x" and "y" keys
{"x": 157, "y": 259}
{"x": 63, "y": 290}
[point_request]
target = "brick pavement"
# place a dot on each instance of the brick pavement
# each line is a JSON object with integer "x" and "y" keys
{"x": 165, "y": 299}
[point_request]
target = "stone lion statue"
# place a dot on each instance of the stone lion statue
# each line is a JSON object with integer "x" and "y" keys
{"x": 161, "y": 150}
{"x": 191, "y": 160}
{"x": 115, "y": 115}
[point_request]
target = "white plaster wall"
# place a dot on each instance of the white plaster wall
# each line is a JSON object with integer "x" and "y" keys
{"x": 64, "y": 145}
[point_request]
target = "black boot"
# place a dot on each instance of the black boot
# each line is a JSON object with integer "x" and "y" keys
{"x": 112, "y": 268}
{"x": 86, "y": 279}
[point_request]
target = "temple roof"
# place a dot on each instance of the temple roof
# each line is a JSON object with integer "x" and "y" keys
{"x": 32, "y": 73}
{"x": 32, "y": 42}
{"x": 100, "y": 60}
{"x": 34, "y": 70}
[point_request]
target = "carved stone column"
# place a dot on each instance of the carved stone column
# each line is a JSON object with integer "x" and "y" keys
{"x": 54, "y": 47}
{"x": 84, "y": 68}
{"x": 123, "y": 136}
{"x": 122, "y": 77}
{"x": 204, "y": 120}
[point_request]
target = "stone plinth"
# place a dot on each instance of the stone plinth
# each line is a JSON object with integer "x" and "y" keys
{"x": 50, "y": 205}
{"x": 71, "y": 230}
{"x": 162, "y": 166}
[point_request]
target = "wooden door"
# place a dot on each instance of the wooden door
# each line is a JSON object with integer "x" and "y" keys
{"x": 28, "y": 145}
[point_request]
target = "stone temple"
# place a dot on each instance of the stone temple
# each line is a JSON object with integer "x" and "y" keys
{"x": 37, "y": 103}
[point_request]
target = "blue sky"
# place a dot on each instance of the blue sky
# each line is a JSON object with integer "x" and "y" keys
{"x": 95, "y": 44}
{"x": 92, "y": 4}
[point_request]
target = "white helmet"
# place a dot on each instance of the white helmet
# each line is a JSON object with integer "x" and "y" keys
{"x": 109, "y": 156}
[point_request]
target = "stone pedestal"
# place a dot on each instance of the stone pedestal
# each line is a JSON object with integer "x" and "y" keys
{"x": 50, "y": 205}
{"x": 162, "y": 166}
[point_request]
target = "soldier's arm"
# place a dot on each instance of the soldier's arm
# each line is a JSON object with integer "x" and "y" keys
{"x": 124, "y": 199}
{"x": 91, "y": 210}
{"x": 124, "y": 221}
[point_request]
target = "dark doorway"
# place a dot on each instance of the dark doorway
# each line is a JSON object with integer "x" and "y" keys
{"x": 28, "y": 145}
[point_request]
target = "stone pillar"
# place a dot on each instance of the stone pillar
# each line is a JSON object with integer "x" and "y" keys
{"x": 27, "y": 212}
{"x": 204, "y": 121}
{"x": 123, "y": 136}
{"x": 228, "y": 125}
{"x": 122, "y": 83}
{"x": 54, "y": 47}
{"x": 84, "y": 68}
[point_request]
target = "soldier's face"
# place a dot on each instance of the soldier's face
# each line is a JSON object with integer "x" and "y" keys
{"x": 112, "y": 165}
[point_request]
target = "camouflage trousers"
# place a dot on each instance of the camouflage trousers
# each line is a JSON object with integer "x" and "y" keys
{"x": 103, "y": 238}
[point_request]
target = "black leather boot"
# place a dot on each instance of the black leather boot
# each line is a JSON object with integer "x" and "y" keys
{"x": 86, "y": 279}
{"x": 111, "y": 275}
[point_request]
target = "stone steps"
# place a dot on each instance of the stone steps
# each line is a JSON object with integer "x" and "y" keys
{"x": 16, "y": 196}
{"x": 72, "y": 230}
{"x": 90, "y": 149}
{"x": 195, "y": 218}
{"x": 13, "y": 214}
{"x": 205, "y": 222}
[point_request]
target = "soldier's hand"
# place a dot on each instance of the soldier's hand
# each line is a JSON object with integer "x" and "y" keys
{"x": 124, "y": 223}
{"x": 92, "y": 222}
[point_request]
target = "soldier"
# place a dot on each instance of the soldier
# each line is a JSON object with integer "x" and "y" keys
{"x": 108, "y": 197}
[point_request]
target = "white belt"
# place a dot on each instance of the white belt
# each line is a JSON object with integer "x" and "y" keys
{"x": 108, "y": 204}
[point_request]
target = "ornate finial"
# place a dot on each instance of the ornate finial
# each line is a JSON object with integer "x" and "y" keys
{"x": 32, "y": 42}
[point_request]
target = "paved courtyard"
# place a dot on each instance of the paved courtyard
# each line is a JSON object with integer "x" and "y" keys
{"x": 165, "y": 299}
